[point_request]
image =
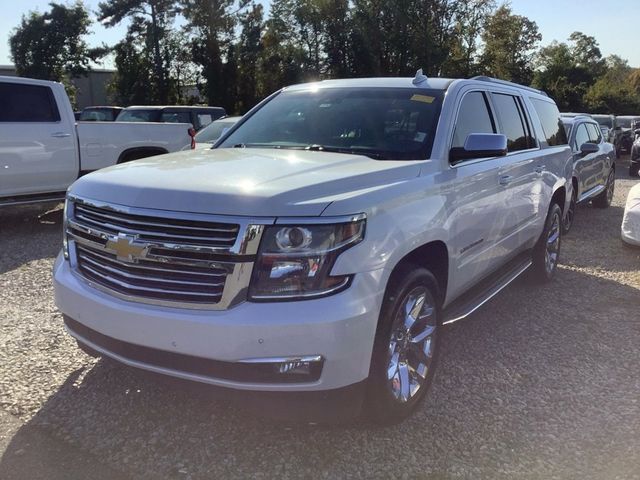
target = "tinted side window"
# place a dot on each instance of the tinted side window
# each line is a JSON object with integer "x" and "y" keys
{"x": 175, "y": 117}
{"x": 512, "y": 122}
{"x": 582, "y": 136}
{"x": 551, "y": 123}
{"x": 594, "y": 133}
{"x": 27, "y": 103}
{"x": 473, "y": 117}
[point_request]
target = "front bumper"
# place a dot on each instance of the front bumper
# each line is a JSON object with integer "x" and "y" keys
{"x": 339, "y": 328}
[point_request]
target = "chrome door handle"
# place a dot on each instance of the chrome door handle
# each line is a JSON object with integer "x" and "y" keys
{"x": 540, "y": 168}
{"x": 505, "y": 180}
{"x": 60, "y": 135}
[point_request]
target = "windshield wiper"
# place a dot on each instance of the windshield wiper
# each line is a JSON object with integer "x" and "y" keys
{"x": 256, "y": 145}
{"x": 356, "y": 151}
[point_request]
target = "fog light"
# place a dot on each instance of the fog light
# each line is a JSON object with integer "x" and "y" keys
{"x": 290, "y": 369}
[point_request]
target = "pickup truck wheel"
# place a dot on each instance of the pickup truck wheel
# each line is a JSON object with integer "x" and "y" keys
{"x": 547, "y": 250}
{"x": 605, "y": 198}
{"x": 405, "y": 348}
{"x": 567, "y": 222}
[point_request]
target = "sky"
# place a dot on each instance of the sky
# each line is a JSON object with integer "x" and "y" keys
{"x": 611, "y": 22}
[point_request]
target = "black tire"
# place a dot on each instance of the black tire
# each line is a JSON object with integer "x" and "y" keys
{"x": 606, "y": 197}
{"x": 634, "y": 169}
{"x": 569, "y": 216}
{"x": 545, "y": 262}
{"x": 391, "y": 400}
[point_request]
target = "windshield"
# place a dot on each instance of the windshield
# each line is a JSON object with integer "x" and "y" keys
{"x": 97, "y": 115}
{"x": 384, "y": 123}
{"x": 603, "y": 120}
{"x": 138, "y": 116}
{"x": 624, "y": 122}
{"x": 214, "y": 131}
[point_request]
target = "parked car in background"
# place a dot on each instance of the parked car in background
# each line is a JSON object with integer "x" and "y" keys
{"x": 609, "y": 122}
{"x": 320, "y": 246}
{"x": 634, "y": 165}
{"x": 627, "y": 136}
{"x": 99, "y": 114}
{"x": 198, "y": 116}
{"x": 206, "y": 137}
{"x": 43, "y": 150}
{"x": 593, "y": 177}
{"x": 630, "y": 229}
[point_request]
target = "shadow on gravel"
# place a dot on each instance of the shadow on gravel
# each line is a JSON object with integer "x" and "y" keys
{"x": 540, "y": 383}
{"x": 29, "y": 233}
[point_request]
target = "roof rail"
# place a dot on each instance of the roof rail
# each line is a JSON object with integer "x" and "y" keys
{"x": 484, "y": 78}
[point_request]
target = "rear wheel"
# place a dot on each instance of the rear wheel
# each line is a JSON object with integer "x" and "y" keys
{"x": 606, "y": 197}
{"x": 567, "y": 222}
{"x": 405, "y": 349}
{"x": 546, "y": 253}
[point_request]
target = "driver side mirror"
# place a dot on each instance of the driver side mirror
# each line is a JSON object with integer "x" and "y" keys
{"x": 587, "y": 148}
{"x": 480, "y": 145}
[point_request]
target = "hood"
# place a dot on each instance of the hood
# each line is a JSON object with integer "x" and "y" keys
{"x": 243, "y": 181}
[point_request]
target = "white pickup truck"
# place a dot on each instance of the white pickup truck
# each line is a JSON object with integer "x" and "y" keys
{"x": 323, "y": 242}
{"x": 43, "y": 150}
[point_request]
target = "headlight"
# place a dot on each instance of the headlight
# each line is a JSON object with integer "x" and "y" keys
{"x": 295, "y": 261}
{"x": 65, "y": 240}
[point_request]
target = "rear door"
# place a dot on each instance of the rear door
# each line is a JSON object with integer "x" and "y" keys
{"x": 37, "y": 144}
{"x": 600, "y": 161}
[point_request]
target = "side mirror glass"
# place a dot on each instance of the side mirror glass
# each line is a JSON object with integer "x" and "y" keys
{"x": 587, "y": 148}
{"x": 480, "y": 145}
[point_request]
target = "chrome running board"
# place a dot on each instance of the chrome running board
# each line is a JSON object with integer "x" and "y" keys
{"x": 472, "y": 300}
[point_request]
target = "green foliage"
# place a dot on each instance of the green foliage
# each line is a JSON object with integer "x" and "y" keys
{"x": 51, "y": 45}
{"x": 615, "y": 92}
{"x": 509, "y": 46}
{"x": 145, "y": 51}
{"x": 227, "y": 53}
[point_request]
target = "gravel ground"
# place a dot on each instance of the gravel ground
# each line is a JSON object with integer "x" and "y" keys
{"x": 541, "y": 383}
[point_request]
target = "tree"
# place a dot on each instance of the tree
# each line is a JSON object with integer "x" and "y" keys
{"x": 471, "y": 17}
{"x": 567, "y": 70}
{"x": 51, "y": 45}
{"x": 614, "y": 92}
{"x": 509, "y": 46}
{"x": 151, "y": 21}
{"x": 249, "y": 49}
{"x": 210, "y": 24}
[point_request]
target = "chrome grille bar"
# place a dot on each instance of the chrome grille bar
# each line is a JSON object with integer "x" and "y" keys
{"x": 160, "y": 257}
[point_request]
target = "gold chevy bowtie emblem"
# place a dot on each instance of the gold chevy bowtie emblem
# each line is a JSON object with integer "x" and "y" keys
{"x": 125, "y": 247}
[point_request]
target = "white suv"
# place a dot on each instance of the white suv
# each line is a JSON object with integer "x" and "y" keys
{"x": 323, "y": 241}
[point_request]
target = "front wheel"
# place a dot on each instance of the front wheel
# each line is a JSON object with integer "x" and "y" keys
{"x": 406, "y": 343}
{"x": 547, "y": 251}
{"x": 606, "y": 197}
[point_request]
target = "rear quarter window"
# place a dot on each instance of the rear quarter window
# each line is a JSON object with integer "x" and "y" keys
{"x": 552, "y": 125}
{"x": 27, "y": 103}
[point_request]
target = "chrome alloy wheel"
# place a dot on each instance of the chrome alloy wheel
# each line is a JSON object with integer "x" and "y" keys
{"x": 412, "y": 344}
{"x": 571, "y": 211}
{"x": 553, "y": 244}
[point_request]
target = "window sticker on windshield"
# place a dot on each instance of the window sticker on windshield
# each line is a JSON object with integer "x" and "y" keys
{"x": 420, "y": 136}
{"x": 422, "y": 98}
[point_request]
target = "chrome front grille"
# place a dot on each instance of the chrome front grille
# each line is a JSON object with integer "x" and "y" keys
{"x": 154, "y": 229}
{"x": 159, "y": 257}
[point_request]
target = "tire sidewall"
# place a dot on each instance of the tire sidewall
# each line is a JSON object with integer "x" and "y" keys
{"x": 540, "y": 250}
{"x": 383, "y": 408}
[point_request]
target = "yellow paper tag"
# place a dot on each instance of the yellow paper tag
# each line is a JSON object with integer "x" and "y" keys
{"x": 423, "y": 98}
